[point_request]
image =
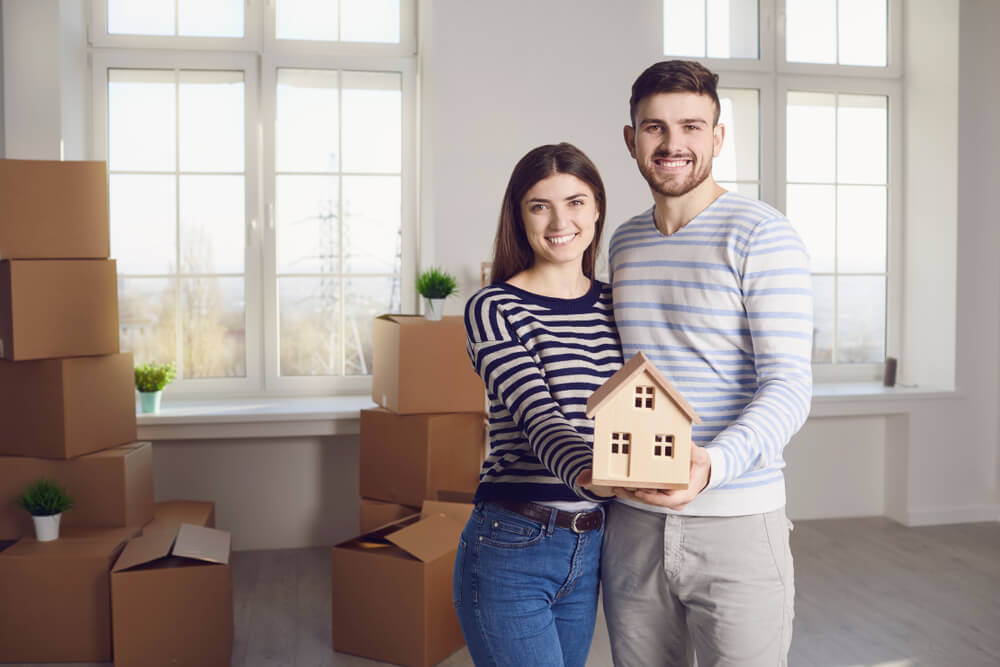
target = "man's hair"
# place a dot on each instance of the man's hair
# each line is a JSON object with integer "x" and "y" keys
{"x": 674, "y": 76}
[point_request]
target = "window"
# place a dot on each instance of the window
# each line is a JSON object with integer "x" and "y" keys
{"x": 813, "y": 127}
{"x": 644, "y": 397}
{"x": 620, "y": 442}
{"x": 664, "y": 445}
{"x": 258, "y": 227}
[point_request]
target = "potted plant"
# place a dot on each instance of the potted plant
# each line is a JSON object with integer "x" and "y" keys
{"x": 45, "y": 500}
{"x": 150, "y": 380}
{"x": 435, "y": 286}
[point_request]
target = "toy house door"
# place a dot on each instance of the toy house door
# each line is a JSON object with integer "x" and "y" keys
{"x": 620, "y": 455}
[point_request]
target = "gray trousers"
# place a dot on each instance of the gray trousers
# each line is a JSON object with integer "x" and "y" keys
{"x": 721, "y": 588}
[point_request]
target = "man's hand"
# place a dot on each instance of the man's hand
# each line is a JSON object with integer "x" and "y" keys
{"x": 676, "y": 499}
{"x": 584, "y": 480}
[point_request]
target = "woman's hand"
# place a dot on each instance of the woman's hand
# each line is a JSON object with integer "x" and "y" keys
{"x": 584, "y": 481}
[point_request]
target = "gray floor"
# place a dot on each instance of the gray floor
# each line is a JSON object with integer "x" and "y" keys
{"x": 868, "y": 592}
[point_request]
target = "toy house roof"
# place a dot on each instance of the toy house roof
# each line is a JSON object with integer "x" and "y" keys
{"x": 634, "y": 367}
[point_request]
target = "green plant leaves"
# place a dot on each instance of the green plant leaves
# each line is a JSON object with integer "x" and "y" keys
{"x": 45, "y": 498}
{"x": 434, "y": 283}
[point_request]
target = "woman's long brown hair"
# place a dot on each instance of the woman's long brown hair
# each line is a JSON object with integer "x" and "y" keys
{"x": 511, "y": 251}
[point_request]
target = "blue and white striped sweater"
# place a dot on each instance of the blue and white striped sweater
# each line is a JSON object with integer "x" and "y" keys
{"x": 541, "y": 358}
{"x": 724, "y": 308}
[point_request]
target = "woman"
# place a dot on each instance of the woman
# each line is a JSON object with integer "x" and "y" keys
{"x": 542, "y": 337}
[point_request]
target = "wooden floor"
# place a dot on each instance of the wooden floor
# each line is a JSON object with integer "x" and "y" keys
{"x": 868, "y": 592}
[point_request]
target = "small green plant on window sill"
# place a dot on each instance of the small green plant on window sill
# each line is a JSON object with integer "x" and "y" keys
{"x": 435, "y": 283}
{"x": 154, "y": 377}
{"x": 45, "y": 498}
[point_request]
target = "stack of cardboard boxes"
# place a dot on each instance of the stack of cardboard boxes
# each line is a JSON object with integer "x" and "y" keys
{"x": 67, "y": 413}
{"x": 420, "y": 451}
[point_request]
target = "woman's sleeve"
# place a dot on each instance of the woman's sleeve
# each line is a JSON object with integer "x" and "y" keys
{"x": 513, "y": 376}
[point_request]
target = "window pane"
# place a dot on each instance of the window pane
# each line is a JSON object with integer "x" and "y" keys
{"x": 308, "y": 312}
{"x": 823, "y": 310}
{"x": 366, "y": 298}
{"x": 370, "y": 20}
{"x": 860, "y": 319}
{"x": 147, "y": 319}
{"x": 863, "y": 32}
{"x": 811, "y": 31}
{"x": 213, "y": 227}
{"x": 307, "y": 212}
{"x": 150, "y": 17}
{"x": 861, "y": 229}
{"x": 862, "y": 138}
{"x": 211, "y": 121}
{"x": 739, "y": 158}
{"x": 811, "y": 137}
{"x": 210, "y": 18}
{"x": 308, "y": 112}
{"x": 142, "y": 127}
{"x": 307, "y": 19}
{"x": 373, "y": 122}
{"x": 732, "y": 28}
{"x": 213, "y": 327}
{"x": 684, "y": 28}
{"x": 372, "y": 217}
{"x": 812, "y": 210}
{"x": 143, "y": 211}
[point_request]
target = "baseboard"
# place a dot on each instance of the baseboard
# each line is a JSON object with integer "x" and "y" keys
{"x": 965, "y": 514}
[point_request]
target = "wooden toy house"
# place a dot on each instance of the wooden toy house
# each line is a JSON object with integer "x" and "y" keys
{"x": 642, "y": 429}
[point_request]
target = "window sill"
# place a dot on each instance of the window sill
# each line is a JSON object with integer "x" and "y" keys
{"x": 254, "y": 418}
{"x": 845, "y": 399}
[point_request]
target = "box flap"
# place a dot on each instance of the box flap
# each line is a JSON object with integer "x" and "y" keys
{"x": 429, "y": 538}
{"x": 201, "y": 543}
{"x": 458, "y": 511}
{"x": 144, "y": 550}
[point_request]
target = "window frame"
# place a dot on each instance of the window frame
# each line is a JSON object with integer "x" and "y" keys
{"x": 765, "y": 61}
{"x": 259, "y": 58}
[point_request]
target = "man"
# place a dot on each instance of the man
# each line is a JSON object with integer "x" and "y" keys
{"x": 714, "y": 287}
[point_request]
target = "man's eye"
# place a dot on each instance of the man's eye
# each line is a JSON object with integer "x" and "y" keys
{"x": 691, "y": 127}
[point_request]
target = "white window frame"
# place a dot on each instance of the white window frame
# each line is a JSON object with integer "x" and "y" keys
{"x": 252, "y": 55}
{"x": 773, "y": 77}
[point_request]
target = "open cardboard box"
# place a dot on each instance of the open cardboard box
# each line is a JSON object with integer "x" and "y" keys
{"x": 422, "y": 366}
{"x": 172, "y": 599}
{"x": 51, "y": 308}
{"x": 409, "y": 458}
{"x": 61, "y": 408}
{"x": 112, "y": 488}
{"x": 392, "y": 597}
{"x": 55, "y": 604}
{"x": 375, "y": 513}
{"x": 53, "y": 210}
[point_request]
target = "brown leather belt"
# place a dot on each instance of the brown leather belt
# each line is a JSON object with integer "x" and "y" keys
{"x": 578, "y": 522}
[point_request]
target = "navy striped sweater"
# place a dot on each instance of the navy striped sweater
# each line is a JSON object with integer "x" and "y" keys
{"x": 541, "y": 358}
{"x": 723, "y": 307}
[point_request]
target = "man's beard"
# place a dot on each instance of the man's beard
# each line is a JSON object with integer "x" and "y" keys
{"x": 672, "y": 187}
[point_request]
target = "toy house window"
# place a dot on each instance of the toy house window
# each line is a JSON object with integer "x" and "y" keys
{"x": 620, "y": 442}
{"x": 664, "y": 445}
{"x": 644, "y": 396}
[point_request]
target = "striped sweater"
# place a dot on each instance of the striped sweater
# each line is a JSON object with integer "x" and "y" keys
{"x": 541, "y": 358}
{"x": 724, "y": 308}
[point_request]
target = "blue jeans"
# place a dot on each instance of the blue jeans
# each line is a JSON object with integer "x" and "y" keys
{"x": 525, "y": 591}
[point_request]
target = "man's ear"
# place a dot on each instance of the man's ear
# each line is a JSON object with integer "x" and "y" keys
{"x": 718, "y": 136}
{"x": 629, "y": 132}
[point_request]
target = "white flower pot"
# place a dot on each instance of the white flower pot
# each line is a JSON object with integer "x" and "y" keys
{"x": 47, "y": 527}
{"x": 435, "y": 308}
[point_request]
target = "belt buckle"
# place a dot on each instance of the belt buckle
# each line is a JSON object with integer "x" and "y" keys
{"x": 572, "y": 523}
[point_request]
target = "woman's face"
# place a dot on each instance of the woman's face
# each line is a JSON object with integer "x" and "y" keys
{"x": 559, "y": 214}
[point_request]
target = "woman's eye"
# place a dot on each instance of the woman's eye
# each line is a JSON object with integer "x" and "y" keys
{"x": 535, "y": 208}
{"x": 576, "y": 202}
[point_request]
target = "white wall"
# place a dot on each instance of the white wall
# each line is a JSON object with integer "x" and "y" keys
{"x": 500, "y": 78}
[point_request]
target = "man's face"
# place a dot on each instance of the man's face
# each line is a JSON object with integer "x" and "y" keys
{"x": 674, "y": 141}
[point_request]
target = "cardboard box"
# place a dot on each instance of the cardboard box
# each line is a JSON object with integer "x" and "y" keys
{"x": 56, "y": 601}
{"x": 53, "y": 210}
{"x": 377, "y": 513}
{"x": 422, "y": 366}
{"x": 172, "y": 513}
{"x": 409, "y": 458}
{"x": 53, "y": 308}
{"x": 400, "y": 578}
{"x": 61, "y": 408}
{"x": 172, "y": 599}
{"x": 112, "y": 488}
